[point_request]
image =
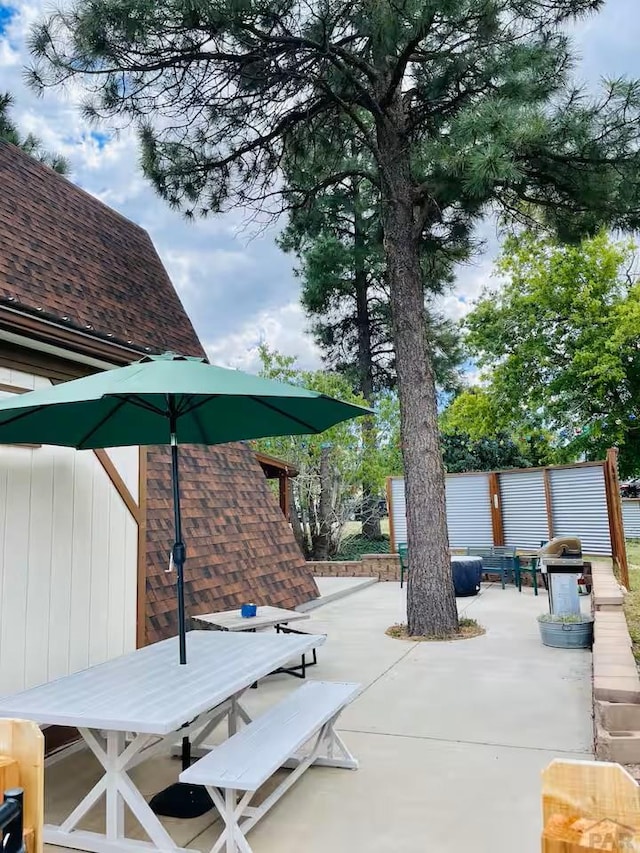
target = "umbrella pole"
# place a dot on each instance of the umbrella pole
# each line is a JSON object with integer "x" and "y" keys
{"x": 180, "y": 800}
{"x": 179, "y": 556}
{"x": 179, "y": 552}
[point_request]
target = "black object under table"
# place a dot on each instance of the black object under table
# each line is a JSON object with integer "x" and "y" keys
{"x": 467, "y": 574}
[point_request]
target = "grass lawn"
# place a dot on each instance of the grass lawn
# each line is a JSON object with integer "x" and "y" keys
{"x": 354, "y": 528}
{"x": 632, "y": 600}
{"x": 354, "y": 545}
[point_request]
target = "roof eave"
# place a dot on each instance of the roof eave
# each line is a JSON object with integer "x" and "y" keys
{"x": 83, "y": 343}
{"x": 274, "y": 467}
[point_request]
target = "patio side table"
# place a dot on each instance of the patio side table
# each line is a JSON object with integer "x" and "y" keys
{"x": 266, "y": 617}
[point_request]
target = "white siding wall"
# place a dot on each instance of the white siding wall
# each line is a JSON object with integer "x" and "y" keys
{"x": 126, "y": 461}
{"x": 68, "y": 561}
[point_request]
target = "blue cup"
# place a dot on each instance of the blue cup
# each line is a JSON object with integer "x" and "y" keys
{"x": 248, "y": 610}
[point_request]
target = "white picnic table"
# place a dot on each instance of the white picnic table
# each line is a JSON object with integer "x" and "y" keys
{"x": 149, "y": 696}
{"x": 266, "y": 617}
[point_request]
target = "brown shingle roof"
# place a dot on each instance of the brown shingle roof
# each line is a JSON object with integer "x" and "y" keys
{"x": 66, "y": 255}
{"x": 87, "y": 267}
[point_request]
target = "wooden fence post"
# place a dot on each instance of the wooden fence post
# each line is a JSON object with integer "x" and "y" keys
{"x": 614, "y": 509}
{"x": 497, "y": 524}
{"x": 392, "y": 534}
{"x": 548, "y": 500}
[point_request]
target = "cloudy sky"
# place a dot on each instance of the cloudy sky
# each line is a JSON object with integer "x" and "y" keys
{"x": 239, "y": 288}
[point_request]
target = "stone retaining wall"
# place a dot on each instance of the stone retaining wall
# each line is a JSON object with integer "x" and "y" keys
{"x": 385, "y": 567}
{"x": 616, "y": 684}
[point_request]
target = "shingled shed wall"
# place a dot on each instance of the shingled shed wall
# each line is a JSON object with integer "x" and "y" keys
{"x": 239, "y": 546}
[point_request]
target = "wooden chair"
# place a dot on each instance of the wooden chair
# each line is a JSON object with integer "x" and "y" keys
{"x": 403, "y": 553}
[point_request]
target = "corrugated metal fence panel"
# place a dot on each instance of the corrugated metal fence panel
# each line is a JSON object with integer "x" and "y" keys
{"x": 469, "y": 510}
{"x": 579, "y": 503}
{"x": 524, "y": 509}
{"x": 398, "y": 510}
{"x": 631, "y": 518}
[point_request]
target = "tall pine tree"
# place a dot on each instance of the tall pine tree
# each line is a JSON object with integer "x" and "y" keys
{"x": 461, "y": 105}
{"x": 337, "y": 237}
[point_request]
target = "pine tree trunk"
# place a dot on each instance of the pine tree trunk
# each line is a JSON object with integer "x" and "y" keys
{"x": 370, "y": 515}
{"x": 294, "y": 519}
{"x": 310, "y": 520}
{"x": 431, "y": 604}
{"x": 323, "y": 540}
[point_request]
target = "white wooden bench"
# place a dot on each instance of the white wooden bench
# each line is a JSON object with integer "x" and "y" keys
{"x": 245, "y": 761}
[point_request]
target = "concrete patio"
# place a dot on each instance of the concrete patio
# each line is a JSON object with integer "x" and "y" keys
{"x": 451, "y": 737}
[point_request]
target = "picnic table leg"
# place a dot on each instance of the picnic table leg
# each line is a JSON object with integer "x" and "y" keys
{"x": 115, "y": 803}
{"x": 299, "y": 671}
{"x": 236, "y": 713}
{"x": 232, "y": 837}
{"x": 228, "y": 708}
{"x": 233, "y": 719}
{"x": 330, "y": 751}
{"x": 116, "y": 758}
{"x": 199, "y": 737}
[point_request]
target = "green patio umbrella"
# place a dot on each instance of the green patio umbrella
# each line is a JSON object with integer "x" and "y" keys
{"x": 167, "y": 399}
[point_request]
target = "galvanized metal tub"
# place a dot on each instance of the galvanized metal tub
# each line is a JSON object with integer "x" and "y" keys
{"x": 567, "y": 635}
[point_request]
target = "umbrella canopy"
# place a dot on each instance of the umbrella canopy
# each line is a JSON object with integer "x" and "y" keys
{"x": 158, "y": 397}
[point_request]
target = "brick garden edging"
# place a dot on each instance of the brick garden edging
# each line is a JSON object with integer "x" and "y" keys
{"x": 616, "y": 683}
{"x": 385, "y": 567}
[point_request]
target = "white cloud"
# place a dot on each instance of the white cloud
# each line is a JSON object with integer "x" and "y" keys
{"x": 186, "y": 267}
{"x": 282, "y": 330}
{"x": 471, "y": 280}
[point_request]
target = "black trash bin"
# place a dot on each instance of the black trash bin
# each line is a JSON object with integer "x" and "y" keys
{"x": 467, "y": 574}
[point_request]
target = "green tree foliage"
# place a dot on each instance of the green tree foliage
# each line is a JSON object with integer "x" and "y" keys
{"x": 29, "y": 143}
{"x": 463, "y": 453}
{"x": 461, "y": 105}
{"x": 475, "y": 412}
{"x": 487, "y": 448}
{"x": 346, "y": 296}
{"x": 330, "y": 465}
{"x": 560, "y": 339}
{"x": 337, "y": 236}
{"x": 478, "y": 414}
